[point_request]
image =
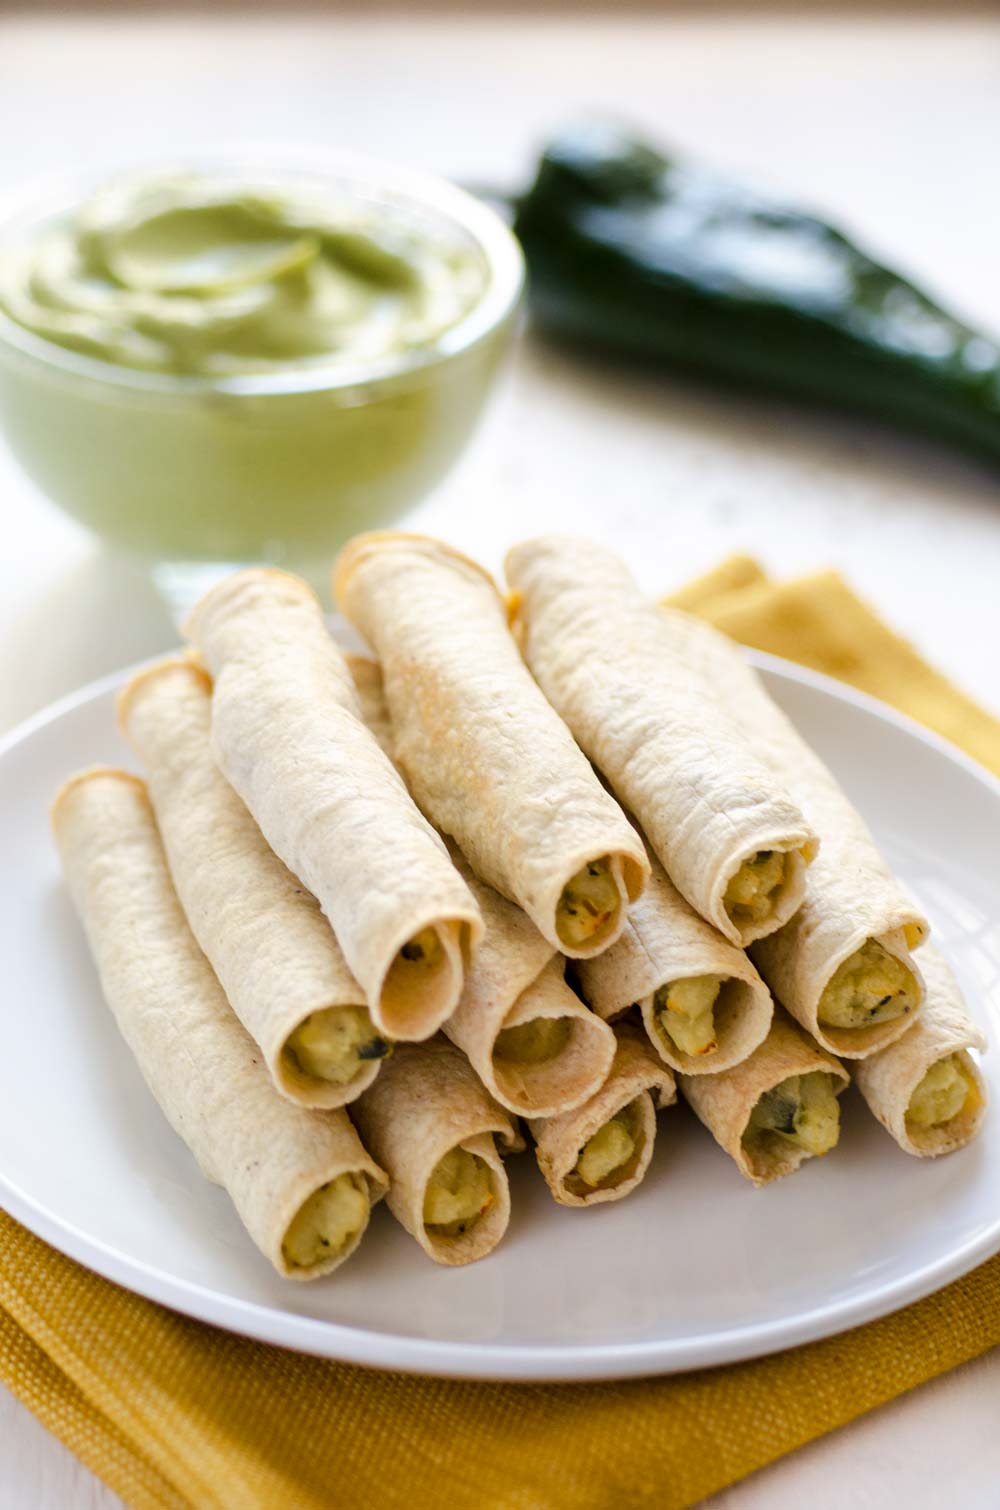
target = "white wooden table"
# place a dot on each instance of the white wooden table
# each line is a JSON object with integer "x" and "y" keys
{"x": 891, "y": 124}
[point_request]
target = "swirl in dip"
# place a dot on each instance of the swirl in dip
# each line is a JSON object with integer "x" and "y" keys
{"x": 203, "y": 275}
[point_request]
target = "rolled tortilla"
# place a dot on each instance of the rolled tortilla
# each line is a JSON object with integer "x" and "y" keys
{"x": 434, "y": 1127}
{"x": 531, "y": 1040}
{"x": 793, "y": 1122}
{"x": 720, "y": 820}
{"x": 287, "y": 734}
{"x": 486, "y": 757}
{"x": 601, "y": 1150}
{"x": 846, "y": 952}
{"x": 534, "y": 1044}
{"x": 301, "y": 1181}
{"x": 264, "y": 935}
{"x": 703, "y": 1004}
{"x": 925, "y": 1089}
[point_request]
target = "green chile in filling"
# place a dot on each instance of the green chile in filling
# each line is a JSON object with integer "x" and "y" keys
{"x": 802, "y": 1109}
{"x": 870, "y": 987}
{"x": 589, "y": 901}
{"x": 333, "y": 1043}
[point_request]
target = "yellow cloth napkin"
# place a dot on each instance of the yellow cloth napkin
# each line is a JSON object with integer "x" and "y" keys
{"x": 179, "y": 1415}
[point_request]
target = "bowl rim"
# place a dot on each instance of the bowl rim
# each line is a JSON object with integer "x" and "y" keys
{"x": 497, "y": 243}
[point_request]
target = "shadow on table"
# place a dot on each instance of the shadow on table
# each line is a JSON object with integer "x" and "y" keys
{"x": 737, "y": 423}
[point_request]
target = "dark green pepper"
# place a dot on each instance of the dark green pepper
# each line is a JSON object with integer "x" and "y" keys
{"x": 635, "y": 252}
{"x": 375, "y": 1048}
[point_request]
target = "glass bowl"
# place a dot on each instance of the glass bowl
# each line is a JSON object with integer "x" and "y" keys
{"x": 196, "y": 475}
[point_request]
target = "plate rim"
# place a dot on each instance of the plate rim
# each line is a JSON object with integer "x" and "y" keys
{"x": 491, "y": 1361}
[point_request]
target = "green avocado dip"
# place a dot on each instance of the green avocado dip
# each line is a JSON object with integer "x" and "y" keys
{"x": 197, "y": 275}
{"x": 213, "y": 368}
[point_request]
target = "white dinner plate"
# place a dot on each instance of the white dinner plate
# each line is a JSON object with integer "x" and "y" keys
{"x": 695, "y": 1268}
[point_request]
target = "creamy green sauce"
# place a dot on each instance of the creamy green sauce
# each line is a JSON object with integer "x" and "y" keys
{"x": 207, "y": 276}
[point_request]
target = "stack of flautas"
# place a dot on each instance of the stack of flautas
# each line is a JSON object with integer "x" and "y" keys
{"x": 759, "y": 846}
{"x": 371, "y": 924}
{"x": 530, "y": 1039}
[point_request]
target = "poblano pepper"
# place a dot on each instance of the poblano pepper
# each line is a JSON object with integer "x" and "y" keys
{"x": 637, "y": 252}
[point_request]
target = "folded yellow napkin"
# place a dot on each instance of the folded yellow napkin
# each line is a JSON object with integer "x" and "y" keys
{"x": 175, "y": 1414}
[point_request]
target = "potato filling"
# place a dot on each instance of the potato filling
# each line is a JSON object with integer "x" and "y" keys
{"x": 332, "y": 1044}
{"x": 871, "y": 986}
{"x": 803, "y": 1109}
{"x": 533, "y": 1042}
{"x": 685, "y": 1010}
{"x": 588, "y": 903}
{"x": 458, "y": 1193}
{"x": 327, "y": 1222}
{"x": 753, "y": 891}
{"x": 605, "y": 1156}
{"x": 940, "y": 1095}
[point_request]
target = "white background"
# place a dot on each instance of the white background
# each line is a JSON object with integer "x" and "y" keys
{"x": 890, "y": 124}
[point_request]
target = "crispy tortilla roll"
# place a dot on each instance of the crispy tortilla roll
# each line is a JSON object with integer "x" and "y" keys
{"x": 300, "y": 1180}
{"x": 486, "y": 757}
{"x": 288, "y": 736}
{"x": 703, "y": 1004}
{"x": 925, "y": 1089}
{"x": 776, "y": 1108}
{"x": 434, "y": 1126}
{"x": 842, "y": 965}
{"x": 601, "y": 1150}
{"x": 265, "y": 936}
{"x": 721, "y": 821}
{"x": 528, "y": 1036}
{"x": 534, "y": 1044}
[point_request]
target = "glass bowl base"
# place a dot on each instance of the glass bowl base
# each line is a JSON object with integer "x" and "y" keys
{"x": 181, "y": 584}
